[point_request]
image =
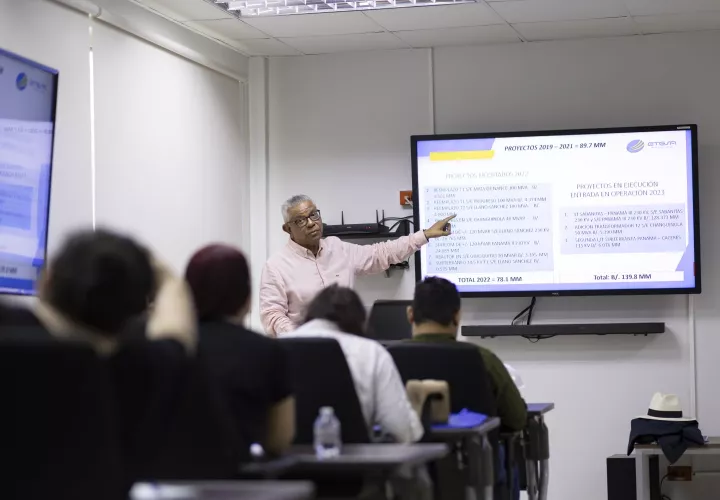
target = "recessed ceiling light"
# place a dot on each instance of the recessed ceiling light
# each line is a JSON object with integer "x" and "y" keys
{"x": 254, "y": 8}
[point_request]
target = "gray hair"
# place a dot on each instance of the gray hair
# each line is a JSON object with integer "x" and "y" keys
{"x": 291, "y": 202}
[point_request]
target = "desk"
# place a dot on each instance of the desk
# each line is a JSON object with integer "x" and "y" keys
{"x": 642, "y": 464}
{"x": 236, "y": 490}
{"x": 269, "y": 469}
{"x": 368, "y": 458}
{"x": 481, "y": 477}
{"x": 537, "y": 444}
{"x": 539, "y": 409}
{"x": 449, "y": 433}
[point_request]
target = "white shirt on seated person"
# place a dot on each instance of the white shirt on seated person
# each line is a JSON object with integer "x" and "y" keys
{"x": 378, "y": 384}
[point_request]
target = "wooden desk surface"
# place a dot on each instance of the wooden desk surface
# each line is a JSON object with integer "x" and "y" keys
{"x": 369, "y": 457}
{"x": 236, "y": 490}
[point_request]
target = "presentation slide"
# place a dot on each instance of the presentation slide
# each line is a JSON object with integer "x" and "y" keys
{"x": 27, "y": 107}
{"x": 589, "y": 212}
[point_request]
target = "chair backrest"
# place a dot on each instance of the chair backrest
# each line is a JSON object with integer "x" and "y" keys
{"x": 57, "y": 427}
{"x": 459, "y": 364}
{"x": 321, "y": 377}
{"x": 388, "y": 320}
{"x": 175, "y": 425}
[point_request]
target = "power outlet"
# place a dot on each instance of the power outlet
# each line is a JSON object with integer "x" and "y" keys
{"x": 406, "y": 198}
{"x": 679, "y": 473}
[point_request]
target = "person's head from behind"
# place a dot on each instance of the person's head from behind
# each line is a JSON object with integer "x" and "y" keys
{"x": 219, "y": 278}
{"x": 435, "y": 307}
{"x": 302, "y": 221}
{"x": 341, "y": 306}
{"x": 99, "y": 279}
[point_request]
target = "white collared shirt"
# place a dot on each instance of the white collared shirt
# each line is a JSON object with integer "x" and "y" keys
{"x": 378, "y": 384}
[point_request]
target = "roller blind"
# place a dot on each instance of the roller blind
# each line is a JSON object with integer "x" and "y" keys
{"x": 170, "y": 148}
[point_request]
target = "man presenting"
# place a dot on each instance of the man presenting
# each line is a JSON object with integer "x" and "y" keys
{"x": 307, "y": 264}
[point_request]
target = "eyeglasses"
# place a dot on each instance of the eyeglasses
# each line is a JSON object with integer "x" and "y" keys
{"x": 302, "y": 222}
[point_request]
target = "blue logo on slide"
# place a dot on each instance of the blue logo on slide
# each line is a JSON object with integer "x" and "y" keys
{"x": 21, "y": 81}
{"x": 635, "y": 146}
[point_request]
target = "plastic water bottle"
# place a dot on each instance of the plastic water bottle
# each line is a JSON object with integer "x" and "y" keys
{"x": 328, "y": 439}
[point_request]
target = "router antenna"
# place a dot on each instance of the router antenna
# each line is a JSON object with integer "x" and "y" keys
{"x": 342, "y": 217}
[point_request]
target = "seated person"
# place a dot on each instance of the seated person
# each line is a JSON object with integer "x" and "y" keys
{"x": 249, "y": 368}
{"x": 99, "y": 281}
{"x": 435, "y": 317}
{"x": 93, "y": 288}
{"x": 338, "y": 313}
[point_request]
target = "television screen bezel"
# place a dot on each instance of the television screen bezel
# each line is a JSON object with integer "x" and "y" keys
{"x": 55, "y": 74}
{"x": 584, "y": 131}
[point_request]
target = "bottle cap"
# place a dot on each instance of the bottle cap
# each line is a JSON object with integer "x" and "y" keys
{"x": 327, "y": 410}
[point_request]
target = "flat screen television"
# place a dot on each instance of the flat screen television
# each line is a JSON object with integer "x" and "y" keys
{"x": 28, "y": 96}
{"x": 568, "y": 212}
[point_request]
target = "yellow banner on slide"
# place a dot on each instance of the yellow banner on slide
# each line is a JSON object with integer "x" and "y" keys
{"x": 461, "y": 155}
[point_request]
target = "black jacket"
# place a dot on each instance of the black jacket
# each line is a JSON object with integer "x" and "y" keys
{"x": 673, "y": 437}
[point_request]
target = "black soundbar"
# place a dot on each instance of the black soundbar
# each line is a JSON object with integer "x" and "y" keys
{"x": 547, "y": 330}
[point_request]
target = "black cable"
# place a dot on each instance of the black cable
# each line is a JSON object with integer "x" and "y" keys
{"x": 663, "y": 497}
{"x": 531, "y": 309}
{"x": 525, "y": 312}
{"x": 407, "y": 218}
{"x": 399, "y": 220}
{"x": 538, "y": 338}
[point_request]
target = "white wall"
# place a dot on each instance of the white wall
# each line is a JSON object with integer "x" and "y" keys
{"x": 339, "y": 130}
{"x": 338, "y": 122}
{"x": 58, "y": 37}
{"x": 170, "y": 133}
{"x": 170, "y": 148}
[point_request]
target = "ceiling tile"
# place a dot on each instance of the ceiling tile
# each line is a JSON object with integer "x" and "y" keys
{"x": 187, "y": 10}
{"x": 440, "y": 16}
{"x": 652, "y": 7}
{"x": 267, "y": 47}
{"x": 695, "y": 21}
{"x": 588, "y": 28}
{"x": 530, "y": 11}
{"x": 306, "y": 25}
{"x": 476, "y": 35}
{"x": 234, "y": 29}
{"x": 345, "y": 43}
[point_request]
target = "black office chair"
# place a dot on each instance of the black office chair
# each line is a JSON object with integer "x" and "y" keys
{"x": 57, "y": 429}
{"x": 321, "y": 377}
{"x": 388, "y": 320}
{"x": 174, "y": 422}
{"x": 459, "y": 364}
{"x": 462, "y": 367}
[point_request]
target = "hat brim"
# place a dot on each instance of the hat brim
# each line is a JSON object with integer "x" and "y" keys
{"x": 648, "y": 417}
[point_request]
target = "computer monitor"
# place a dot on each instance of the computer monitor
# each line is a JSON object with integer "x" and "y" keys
{"x": 388, "y": 320}
{"x": 28, "y": 94}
